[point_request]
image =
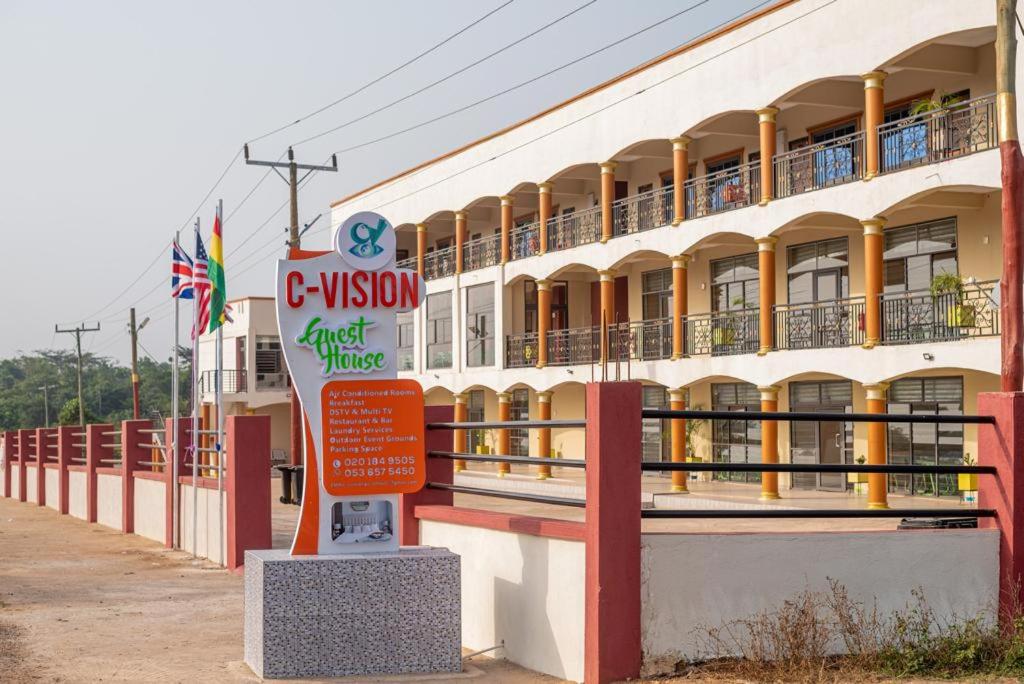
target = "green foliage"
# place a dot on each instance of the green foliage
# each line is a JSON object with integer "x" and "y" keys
{"x": 69, "y": 413}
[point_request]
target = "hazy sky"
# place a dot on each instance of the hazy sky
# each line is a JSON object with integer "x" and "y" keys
{"x": 118, "y": 117}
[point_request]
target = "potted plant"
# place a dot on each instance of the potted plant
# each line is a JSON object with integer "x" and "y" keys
{"x": 967, "y": 482}
{"x": 950, "y": 287}
{"x": 724, "y": 332}
{"x": 693, "y": 427}
{"x": 858, "y": 478}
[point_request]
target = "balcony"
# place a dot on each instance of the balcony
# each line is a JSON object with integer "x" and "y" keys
{"x": 819, "y": 325}
{"x": 820, "y": 165}
{"x": 409, "y": 263}
{"x": 233, "y": 383}
{"x": 439, "y": 264}
{"x": 646, "y": 211}
{"x": 723, "y": 191}
{"x": 525, "y": 241}
{"x": 920, "y": 316}
{"x": 637, "y": 341}
{"x": 953, "y": 131}
{"x": 721, "y": 333}
{"x": 481, "y": 253}
{"x": 572, "y": 230}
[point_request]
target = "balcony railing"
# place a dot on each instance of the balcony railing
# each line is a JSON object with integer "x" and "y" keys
{"x": 953, "y": 131}
{"x": 521, "y": 350}
{"x": 409, "y": 263}
{"x": 820, "y": 165}
{"x": 525, "y": 241}
{"x": 920, "y": 316}
{"x": 819, "y": 325}
{"x": 234, "y": 381}
{"x": 639, "y": 341}
{"x": 575, "y": 229}
{"x": 721, "y": 333}
{"x": 482, "y": 252}
{"x": 439, "y": 264}
{"x": 649, "y": 210}
{"x": 723, "y": 190}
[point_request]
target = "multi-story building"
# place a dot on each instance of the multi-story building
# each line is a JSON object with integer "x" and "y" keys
{"x": 801, "y": 209}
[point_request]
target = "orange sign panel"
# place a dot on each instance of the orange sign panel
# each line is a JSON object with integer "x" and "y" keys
{"x": 373, "y": 437}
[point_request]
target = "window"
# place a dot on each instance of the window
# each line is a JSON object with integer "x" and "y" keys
{"x": 439, "y": 330}
{"x": 405, "y": 341}
{"x": 911, "y": 142}
{"x": 734, "y": 283}
{"x": 835, "y": 162}
{"x": 926, "y": 443}
{"x": 480, "y": 325}
{"x": 559, "y": 305}
{"x": 817, "y": 271}
{"x": 736, "y": 440}
{"x": 519, "y": 439}
{"x": 475, "y": 414}
{"x": 657, "y": 435}
{"x": 656, "y": 288}
{"x": 825, "y": 441}
{"x": 270, "y": 370}
{"x": 915, "y": 254}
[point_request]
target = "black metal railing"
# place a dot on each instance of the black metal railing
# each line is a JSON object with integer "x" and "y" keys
{"x": 920, "y": 316}
{"x": 439, "y": 264}
{"x": 521, "y": 350}
{"x": 234, "y": 381}
{"x": 645, "y": 211}
{"x": 409, "y": 263}
{"x": 723, "y": 190}
{"x": 575, "y": 229}
{"x": 820, "y": 165}
{"x": 482, "y": 252}
{"x": 819, "y": 325}
{"x": 525, "y": 241}
{"x": 952, "y": 131}
{"x": 721, "y": 333}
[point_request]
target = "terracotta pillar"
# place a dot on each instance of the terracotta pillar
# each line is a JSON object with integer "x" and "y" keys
{"x": 421, "y": 247}
{"x": 438, "y": 470}
{"x": 504, "y": 437}
{"x": 766, "y": 127}
{"x": 506, "y": 228}
{"x": 543, "y": 321}
{"x": 607, "y": 199}
{"x": 544, "y": 213}
{"x": 607, "y": 287}
{"x": 677, "y": 402}
{"x": 680, "y": 170}
{"x": 246, "y": 481}
{"x": 877, "y": 482}
{"x": 874, "y": 111}
{"x": 769, "y": 442}
{"x": 873, "y": 247}
{"x": 460, "y": 239}
{"x": 461, "y": 415}
{"x": 544, "y": 413}
{"x": 766, "y": 280}
{"x": 679, "y": 303}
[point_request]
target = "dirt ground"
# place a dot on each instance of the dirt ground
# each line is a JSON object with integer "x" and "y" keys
{"x": 84, "y": 603}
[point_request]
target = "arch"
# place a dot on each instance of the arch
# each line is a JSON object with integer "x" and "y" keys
{"x": 567, "y": 268}
{"x": 722, "y": 238}
{"x": 641, "y": 255}
{"x": 819, "y": 219}
{"x": 651, "y": 147}
{"x": 732, "y": 122}
{"x": 949, "y": 197}
{"x": 940, "y": 370}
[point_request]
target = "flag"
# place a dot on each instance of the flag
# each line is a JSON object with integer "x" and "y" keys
{"x": 181, "y": 273}
{"x": 201, "y": 283}
{"x": 218, "y": 295}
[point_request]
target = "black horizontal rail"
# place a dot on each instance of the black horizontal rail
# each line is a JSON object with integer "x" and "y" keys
{"x": 818, "y": 468}
{"x": 508, "y": 424}
{"x": 807, "y": 416}
{"x": 536, "y": 498}
{"x": 821, "y": 513}
{"x": 498, "y": 458}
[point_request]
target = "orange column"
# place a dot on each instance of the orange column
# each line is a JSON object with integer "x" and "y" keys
{"x": 877, "y": 494}
{"x": 421, "y": 246}
{"x": 679, "y": 303}
{"x": 607, "y": 287}
{"x": 504, "y": 438}
{"x": 543, "y": 321}
{"x": 677, "y": 402}
{"x": 873, "y": 246}
{"x": 766, "y": 126}
{"x": 607, "y": 199}
{"x": 874, "y": 111}
{"x": 766, "y": 280}
{"x": 506, "y": 228}
{"x": 680, "y": 169}
{"x": 769, "y": 442}
{"x": 544, "y": 211}
{"x": 205, "y": 439}
{"x": 461, "y": 415}
{"x": 544, "y": 413}
{"x": 460, "y": 239}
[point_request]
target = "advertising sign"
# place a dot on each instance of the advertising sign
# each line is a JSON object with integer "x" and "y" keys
{"x": 364, "y": 432}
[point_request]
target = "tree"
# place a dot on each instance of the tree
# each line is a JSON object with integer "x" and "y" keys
{"x": 69, "y": 413}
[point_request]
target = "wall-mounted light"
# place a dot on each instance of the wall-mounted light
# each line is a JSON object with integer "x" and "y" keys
{"x": 928, "y": 357}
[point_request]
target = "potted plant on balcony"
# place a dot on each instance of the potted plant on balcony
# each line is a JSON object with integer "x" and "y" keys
{"x": 950, "y": 287}
{"x": 724, "y": 332}
{"x": 945, "y": 101}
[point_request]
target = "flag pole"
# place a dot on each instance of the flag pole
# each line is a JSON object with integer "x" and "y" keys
{"x": 220, "y": 405}
{"x": 195, "y": 410}
{"x": 172, "y": 439}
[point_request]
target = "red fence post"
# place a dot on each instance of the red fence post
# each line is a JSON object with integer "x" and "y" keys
{"x": 95, "y": 452}
{"x": 131, "y": 455}
{"x": 42, "y": 452}
{"x": 184, "y": 430}
{"x": 24, "y": 454}
{"x": 1002, "y": 445}
{"x": 10, "y": 451}
{"x": 612, "y": 642}
{"x": 248, "y": 486}
{"x": 440, "y": 470}
{"x": 65, "y": 452}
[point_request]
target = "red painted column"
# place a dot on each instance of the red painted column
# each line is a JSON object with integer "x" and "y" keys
{"x": 1002, "y": 445}
{"x": 10, "y": 451}
{"x": 438, "y": 470}
{"x": 24, "y": 455}
{"x": 94, "y": 453}
{"x": 131, "y": 456}
{"x": 612, "y": 644}
{"x": 42, "y": 451}
{"x": 65, "y": 452}
{"x": 173, "y": 488}
{"x": 247, "y": 486}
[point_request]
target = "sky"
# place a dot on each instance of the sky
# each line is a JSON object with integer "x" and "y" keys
{"x": 118, "y": 118}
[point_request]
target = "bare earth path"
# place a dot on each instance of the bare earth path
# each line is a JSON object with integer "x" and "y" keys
{"x": 83, "y": 603}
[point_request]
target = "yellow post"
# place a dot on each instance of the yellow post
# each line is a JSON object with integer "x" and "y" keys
{"x": 543, "y": 321}
{"x": 460, "y": 239}
{"x": 874, "y": 111}
{"x": 877, "y": 482}
{"x": 504, "y": 438}
{"x": 766, "y": 128}
{"x": 769, "y": 442}
{"x": 873, "y": 264}
{"x": 680, "y": 170}
{"x": 607, "y": 199}
{"x": 461, "y": 415}
{"x": 677, "y": 402}
{"x": 607, "y": 287}
{"x": 544, "y": 413}
{"x": 679, "y": 303}
{"x": 766, "y": 280}
{"x": 506, "y": 228}
{"x": 544, "y": 213}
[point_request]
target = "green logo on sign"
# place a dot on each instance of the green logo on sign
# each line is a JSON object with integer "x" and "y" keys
{"x": 365, "y": 239}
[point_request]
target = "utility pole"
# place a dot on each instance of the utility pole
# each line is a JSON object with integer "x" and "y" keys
{"x": 133, "y": 331}
{"x": 77, "y": 332}
{"x": 46, "y": 404}
{"x": 294, "y": 243}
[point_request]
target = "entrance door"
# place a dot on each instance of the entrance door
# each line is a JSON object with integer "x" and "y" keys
{"x": 827, "y": 441}
{"x": 830, "y": 450}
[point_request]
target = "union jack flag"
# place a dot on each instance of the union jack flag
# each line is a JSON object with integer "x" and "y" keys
{"x": 201, "y": 283}
{"x": 181, "y": 273}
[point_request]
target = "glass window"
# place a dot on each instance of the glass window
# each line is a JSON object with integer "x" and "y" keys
{"x": 657, "y": 294}
{"x": 915, "y": 254}
{"x": 270, "y": 367}
{"x": 439, "y": 330}
{"x": 736, "y": 440}
{"x": 657, "y": 435}
{"x": 559, "y": 305}
{"x": 475, "y": 414}
{"x": 480, "y": 325}
{"x": 818, "y": 271}
{"x": 519, "y": 439}
{"x": 734, "y": 283}
{"x": 405, "y": 341}
{"x": 926, "y": 443}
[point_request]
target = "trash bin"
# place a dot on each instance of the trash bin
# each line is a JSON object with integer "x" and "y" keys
{"x": 286, "y": 483}
{"x": 299, "y": 479}
{"x": 936, "y": 523}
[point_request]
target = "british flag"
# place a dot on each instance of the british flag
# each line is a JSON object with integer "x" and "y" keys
{"x": 181, "y": 273}
{"x": 201, "y": 283}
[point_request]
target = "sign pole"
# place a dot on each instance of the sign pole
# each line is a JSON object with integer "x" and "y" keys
{"x": 220, "y": 415}
{"x": 195, "y": 412}
{"x": 172, "y": 439}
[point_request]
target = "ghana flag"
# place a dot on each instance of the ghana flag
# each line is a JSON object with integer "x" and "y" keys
{"x": 218, "y": 289}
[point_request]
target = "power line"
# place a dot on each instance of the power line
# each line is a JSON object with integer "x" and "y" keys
{"x": 386, "y": 75}
{"x": 106, "y": 306}
{"x": 448, "y": 77}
